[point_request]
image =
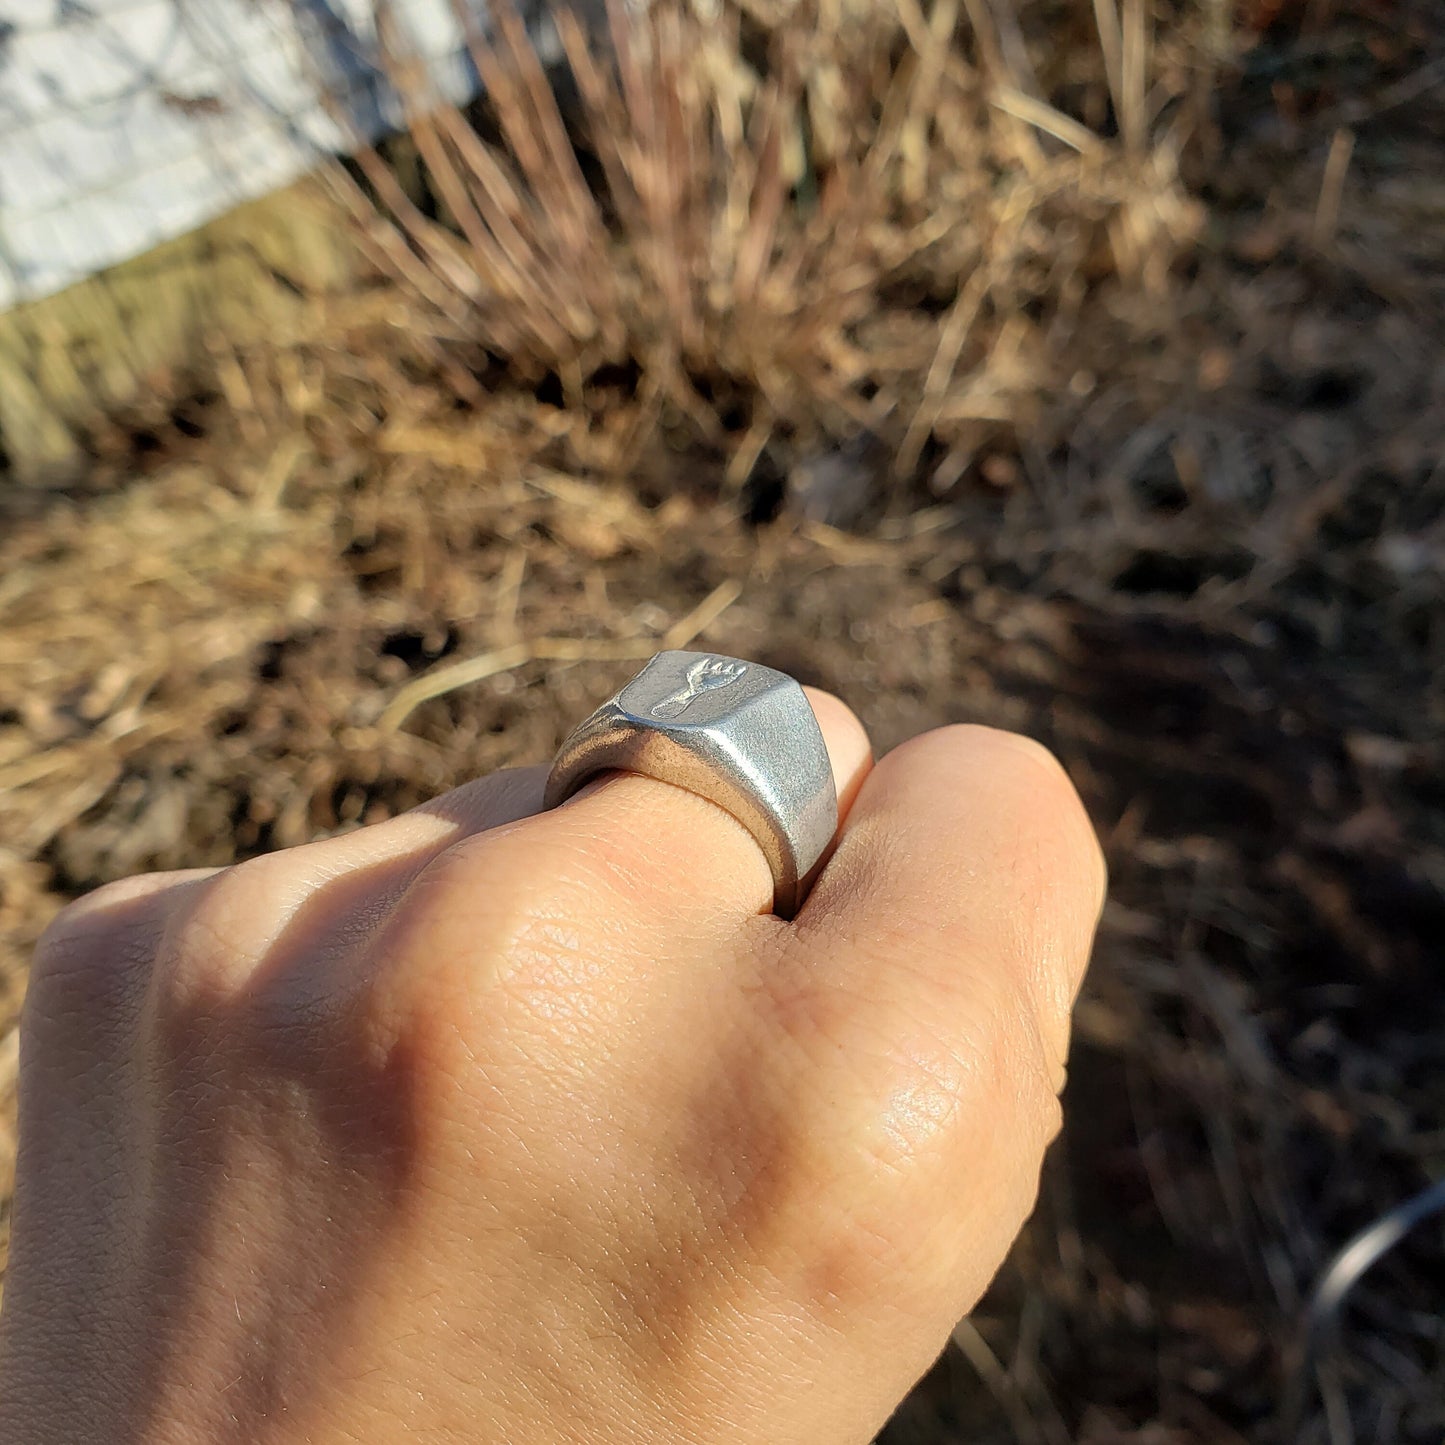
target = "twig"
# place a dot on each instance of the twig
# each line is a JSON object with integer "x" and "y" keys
{"x": 1332, "y": 188}
{"x": 280, "y": 467}
{"x": 1111, "y": 47}
{"x": 9, "y": 1062}
{"x": 999, "y": 1383}
{"x": 703, "y": 615}
{"x": 951, "y": 337}
{"x": 1402, "y": 92}
{"x": 1134, "y": 59}
{"x": 1046, "y": 118}
{"x": 557, "y": 649}
{"x": 509, "y": 591}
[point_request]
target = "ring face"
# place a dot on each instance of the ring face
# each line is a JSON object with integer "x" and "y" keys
{"x": 737, "y": 733}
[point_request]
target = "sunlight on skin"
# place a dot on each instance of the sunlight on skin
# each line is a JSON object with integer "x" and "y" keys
{"x": 494, "y": 1124}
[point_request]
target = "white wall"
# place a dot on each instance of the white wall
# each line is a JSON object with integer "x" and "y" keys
{"x": 124, "y": 123}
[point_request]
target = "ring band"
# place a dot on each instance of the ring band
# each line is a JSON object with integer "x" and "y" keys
{"x": 739, "y": 734}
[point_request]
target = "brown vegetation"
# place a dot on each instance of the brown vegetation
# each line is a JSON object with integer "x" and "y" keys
{"x": 792, "y": 224}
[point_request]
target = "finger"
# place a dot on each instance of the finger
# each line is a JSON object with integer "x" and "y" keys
{"x": 645, "y": 849}
{"x": 489, "y": 802}
{"x": 302, "y": 909}
{"x": 981, "y": 834}
{"x": 916, "y": 1020}
{"x": 142, "y": 902}
{"x": 422, "y": 832}
{"x": 147, "y": 898}
{"x": 92, "y": 965}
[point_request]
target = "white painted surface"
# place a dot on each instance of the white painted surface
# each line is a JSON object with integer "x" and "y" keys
{"x": 124, "y": 123}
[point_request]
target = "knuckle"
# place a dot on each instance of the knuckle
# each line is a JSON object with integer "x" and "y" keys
{"x": 1002, "y": 1101}
{"x": 211, "y": 948}
{"x": 468, "y": 922}
{"x": 483, "y": 971}
{"x": 74, "y": 928}
{"x": 92, "y": 959}
{"x": 969, "y": 1071}
{"x": 974, "y": 1088}
{"x": 472, "y": 890}
{"x": 1027, "y": 1081}
{"x": 855, "y": 1255}
{"x": 1024, "y": 1118}
{"x": 103, "y": 910}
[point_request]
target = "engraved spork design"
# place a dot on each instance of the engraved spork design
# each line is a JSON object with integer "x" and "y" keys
{"x": 703, "y": 676}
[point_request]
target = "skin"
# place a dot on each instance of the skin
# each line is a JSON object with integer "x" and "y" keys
{"x": 489, "y": 1125}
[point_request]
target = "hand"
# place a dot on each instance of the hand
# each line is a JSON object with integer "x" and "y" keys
{"x": 482, "y": 1125}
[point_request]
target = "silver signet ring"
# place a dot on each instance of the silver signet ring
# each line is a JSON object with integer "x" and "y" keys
{"x": 737, "y": 733}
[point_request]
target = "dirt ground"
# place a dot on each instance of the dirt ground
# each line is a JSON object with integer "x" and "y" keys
{"x": 1216, "y": 587}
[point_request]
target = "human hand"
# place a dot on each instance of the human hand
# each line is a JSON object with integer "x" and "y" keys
{"x": 486, "y": 1125}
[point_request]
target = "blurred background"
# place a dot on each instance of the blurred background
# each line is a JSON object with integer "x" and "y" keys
{"x": 380, "y": 384}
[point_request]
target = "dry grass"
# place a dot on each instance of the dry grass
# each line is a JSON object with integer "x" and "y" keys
{"x": 790, "y": 221}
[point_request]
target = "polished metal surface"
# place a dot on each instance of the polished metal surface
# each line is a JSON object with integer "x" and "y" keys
{"x": 737, "y": 733}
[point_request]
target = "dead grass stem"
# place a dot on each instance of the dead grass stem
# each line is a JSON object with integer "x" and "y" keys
{"x": 741, "y": 230}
